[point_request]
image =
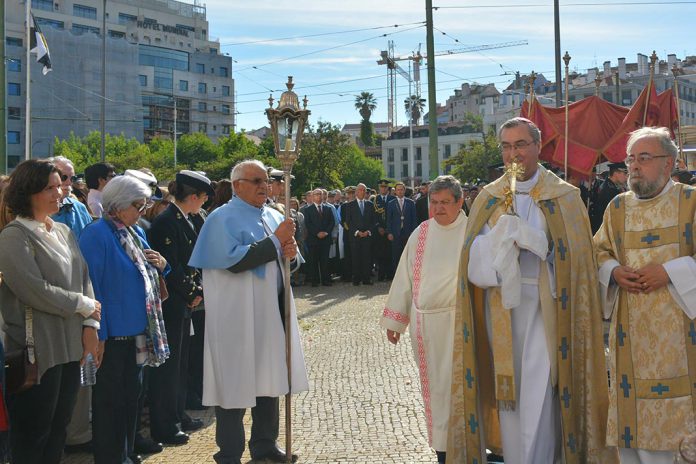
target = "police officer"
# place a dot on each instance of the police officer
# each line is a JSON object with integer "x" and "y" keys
{"x": 382, "y": 246}
{"x": 612, "y": 186}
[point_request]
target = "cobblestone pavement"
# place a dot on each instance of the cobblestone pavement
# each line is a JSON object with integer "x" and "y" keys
{"x": 364, "y": 405}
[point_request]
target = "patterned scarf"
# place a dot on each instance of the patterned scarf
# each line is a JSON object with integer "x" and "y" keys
{"x": 155, "y": 335}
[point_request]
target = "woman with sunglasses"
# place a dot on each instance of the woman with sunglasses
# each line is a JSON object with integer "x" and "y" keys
{"x": 125, "y": 274}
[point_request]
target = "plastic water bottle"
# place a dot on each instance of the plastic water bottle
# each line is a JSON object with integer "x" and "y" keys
{"x": 88, "y": 371}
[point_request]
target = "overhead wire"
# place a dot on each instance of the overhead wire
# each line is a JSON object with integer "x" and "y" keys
{"x": 546, "y": 5}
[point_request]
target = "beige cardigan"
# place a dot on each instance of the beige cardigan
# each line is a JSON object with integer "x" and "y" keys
{"x": 33, "y": 276}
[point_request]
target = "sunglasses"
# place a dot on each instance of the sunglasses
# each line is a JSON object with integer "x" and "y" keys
{"x": 63, "y": 178}
{"x": 144, "y": 206}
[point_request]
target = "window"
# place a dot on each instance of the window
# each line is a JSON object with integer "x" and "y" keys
{"x": 626, "y": 97}
{"x": 225, "y": 109}
{"x": 608, "y": 96}
{"x": 14, "y": 89}
{"x": 13, "y": 113}
{"x": 183, "y": 86}
{"x": 390, "y": 171}
{"x": 390, "y": 157}
{"x": 12, "y": 137}
{"x": 202, "y": 87}
{"x": 185, "y": 27}
{"x": 404, "y": 154}
{"x": 213, "y": 51}
{"x": 419, "y": 170}
{"x": 448, "y": 151}
{"x": 202, "y": 127}
{"x": 163, "y": 58}
{"x": 225, "y": 129}
{"x": 200, "y": 68}
{"x": 202, "y": 106}
{"x": 14, "y": 65}
{"x": 116, "y": 34}
{"x": 80, "y": 29}
{"x": 42, "y": 5}
{"x": 126, "y": 19}
{"x": 225, "y": 90}
{"x": 50, "y": 23}
{"x": 13, "y": 42}
{"x": 84, "y": 11}
{"x": 149, "y": 21}
{"x": 419, "y": 153}
{"x": 224, "y": 72}
{"x": 404, "y": 170}
{"x": 164, "y": 79}
{"x": 143, "y": 80}
{"x": 214, "y": 128}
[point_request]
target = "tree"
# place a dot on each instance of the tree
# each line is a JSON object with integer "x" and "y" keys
{"x": 414, "y": 107}
{"x": 366, "y": 103}
{"x": 360, "y": 168}
{"x": 325, "y": 151}
{"x": 473, "y": 160}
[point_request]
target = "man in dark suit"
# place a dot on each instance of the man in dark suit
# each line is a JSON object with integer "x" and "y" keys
{"x": 612, "y": 186}
{"x": 347, "y": 264}
{"x": 401, "y": 221}
{"x": 361, "y": 224}
{"x": 319, "y": 221}
{"x": 382, "y": 247}
{"x": 422, "y": 204}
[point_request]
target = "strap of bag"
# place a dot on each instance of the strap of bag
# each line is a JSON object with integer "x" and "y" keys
{"x": 29, "y": 325}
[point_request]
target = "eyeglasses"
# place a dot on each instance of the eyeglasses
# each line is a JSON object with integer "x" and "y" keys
{"x": 443, "y": 202}
{"x": 143, "y": 207}
{"x": 63, "y": 178}
{"x": 642, "y": 158}
{"x": 519, "y": 145}
{"x": 258, "y": 181}
{"x": 111, "y": 176}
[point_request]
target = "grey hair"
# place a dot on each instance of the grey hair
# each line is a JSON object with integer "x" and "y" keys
{"x": 446, "y": 183}
{"x": 661, "y": 134}
{"x": 238, "y": 170}
{"x": 61, "y": 160}
{"x": 123, "y": 191}
{"x": 534, "y": 131}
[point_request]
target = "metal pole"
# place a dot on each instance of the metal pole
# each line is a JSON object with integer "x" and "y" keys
{"x": 3, "y": 95}
{"x": 566, "y": 59}
{"x": 175, "y": 113}
{"x": 27, "y": 102}
{"x": 288, "y": 332}
{"x": 675, "y": 70}
{"x": 557, "y": 56}
{"x": 653, "y": 59}
{"x": 102, "y": 117}
{"x": 411, "y": 158}
{"x": 432, "y": 95}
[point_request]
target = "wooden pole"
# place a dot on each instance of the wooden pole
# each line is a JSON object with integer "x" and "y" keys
{"x": 288, "y": 326}
{"x": 566, "y": 60}
{"x": 653, "y": 59}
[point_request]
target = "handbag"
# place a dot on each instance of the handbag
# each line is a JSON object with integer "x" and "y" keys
{"x": 164, "y": 292}
{"x": 21, "y": 370}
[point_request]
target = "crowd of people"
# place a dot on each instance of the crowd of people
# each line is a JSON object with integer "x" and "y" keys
{"x": 176, "y": 294}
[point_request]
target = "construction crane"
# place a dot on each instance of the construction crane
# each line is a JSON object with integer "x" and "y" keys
{"x": 393, "y": 67}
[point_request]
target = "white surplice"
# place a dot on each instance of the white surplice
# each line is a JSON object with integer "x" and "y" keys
{"x": 422, "y": 297}
{"x": 530, "y": 432}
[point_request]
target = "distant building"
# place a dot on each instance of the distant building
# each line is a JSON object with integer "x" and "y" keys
{"x": 442, "y": 115}
{"x": 469, "y": 99}
{"x": 380, "y": 128}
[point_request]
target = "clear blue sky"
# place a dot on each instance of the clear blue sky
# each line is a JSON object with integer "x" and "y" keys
{"x": 332, "y": 68}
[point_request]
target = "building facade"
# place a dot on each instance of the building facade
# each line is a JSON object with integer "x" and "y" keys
{"x": 164, "y": 74}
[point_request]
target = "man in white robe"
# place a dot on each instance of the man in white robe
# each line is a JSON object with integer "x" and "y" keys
{"x": 647, "y": 270}
{"x": 239, "y": 249}
{"x": 423, "y": 295}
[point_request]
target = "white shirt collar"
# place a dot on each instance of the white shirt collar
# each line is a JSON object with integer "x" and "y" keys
{"x": 34, "y": 225}
{"x": 527, "y": 185}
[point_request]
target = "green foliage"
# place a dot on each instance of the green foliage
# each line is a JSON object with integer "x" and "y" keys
{"x": 367, "y": 133}
{"x": 360, "y": 168}
{"x": 472, "y": 161}
{"x": 474, "y": 121}
{"x": 324, "y": 153}
{"x": 365, "y": 103}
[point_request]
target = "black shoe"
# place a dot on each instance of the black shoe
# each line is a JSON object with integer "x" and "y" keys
{"x": 81, "y": 448}
{"x": 367, "y": 282}
{"x": 196, "y": 406}
{"x": 135, "y": 459}
{"x": 179, "y": 438}
{"x": 146, "y": 445}
{"x": 492, "y": 457}
{"x": 189, "y": 424}
{"x": 277, "y": 455}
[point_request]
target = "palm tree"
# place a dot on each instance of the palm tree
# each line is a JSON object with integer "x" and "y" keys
{"x": 414, "y": 107}
{"x": 365, "y": 103}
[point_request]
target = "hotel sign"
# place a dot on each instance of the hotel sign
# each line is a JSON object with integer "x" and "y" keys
{"x": 163, "y": 27}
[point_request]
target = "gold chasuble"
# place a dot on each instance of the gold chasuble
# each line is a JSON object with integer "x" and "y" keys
{"x": 572, "y": 324}
{"x": 652, "y": 341}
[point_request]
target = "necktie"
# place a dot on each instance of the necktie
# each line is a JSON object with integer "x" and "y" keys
{"x": 319, "y": 209}
{"x": 362, "y": 207}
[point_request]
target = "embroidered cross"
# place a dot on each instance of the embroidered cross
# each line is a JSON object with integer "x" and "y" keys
{"x": 491, "y": 201}
{"x": 617, "y": 202}
{"x": 650, "y": 238}
{"x": 562, "y": 249}
{"x": 469, "y": 378}
{"x": 692, "y": 333}
{"x": 473, "y": 423}
{"x": 571, "y": 442}
{"x": 550, "y": 205}
{"x": 621, "y": 335}
{"x": 688, "y": 233}
{"x": 627, "y": 437}
{"x": 566, "y": 397}
{"x": 625, "y": 386}
{"x": 564, "y": 347}
{"x": 659, "y": 389}
{"x": 466, "y": 333}
{"x": 564, "y": 298}
{"x": 505, "y": 386}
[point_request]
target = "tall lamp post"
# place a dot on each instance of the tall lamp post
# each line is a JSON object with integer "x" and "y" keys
{"x": 287, "y": 122}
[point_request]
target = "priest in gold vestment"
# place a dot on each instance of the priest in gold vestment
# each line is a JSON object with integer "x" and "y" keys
{"x": 529, "y": 372}
{"x": 647, "y": 270}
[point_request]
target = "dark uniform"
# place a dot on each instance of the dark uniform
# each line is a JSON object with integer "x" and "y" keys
{"x": 194, "y": 395}
{"x": 361, "y": 247}
{"x": 381, "y": 244}
{"x": 607, "y": 191}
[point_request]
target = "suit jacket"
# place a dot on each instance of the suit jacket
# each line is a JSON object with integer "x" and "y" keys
{"x": 172, "y": 235}
{"x": 362, "y": 222}
{"x": 422, "y": 212}
{"x": 381, "y": 209}
{"x": 316, "y": 223}
{"x": 394, "y": 218}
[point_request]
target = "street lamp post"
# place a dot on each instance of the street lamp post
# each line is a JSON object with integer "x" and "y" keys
{"x": 287, "y": 122}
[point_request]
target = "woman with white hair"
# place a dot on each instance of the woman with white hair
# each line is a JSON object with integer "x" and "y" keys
{"x": 125, "y": 274}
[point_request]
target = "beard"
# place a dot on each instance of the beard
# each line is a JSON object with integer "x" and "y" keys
{"x": 644, "y": 188}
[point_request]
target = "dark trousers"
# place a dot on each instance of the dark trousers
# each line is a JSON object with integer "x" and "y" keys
{"x": 169, "y": 382}
{"x": 195, "y": 363}
{"x": 347, "y": 268}
{"x": 382, "y": 254}
{"x": 40, "y": 415}
{"x": 115, "y": 402}
{"x": 319, "y": 260}
{"x": 361, "y": 250}
{"x": 398, "y": 245}
{"x": 229, "y": 431}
